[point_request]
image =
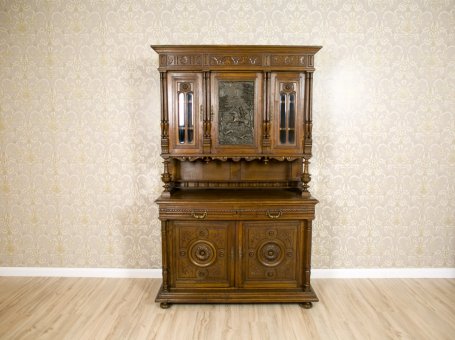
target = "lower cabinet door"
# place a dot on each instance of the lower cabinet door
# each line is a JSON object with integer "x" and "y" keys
{"x": 271, "y": 256}
{"x": 201, "y": 254}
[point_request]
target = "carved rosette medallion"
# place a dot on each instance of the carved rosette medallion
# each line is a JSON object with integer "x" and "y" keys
{"x": 184, "y": 87}
{"x": 202, "y": 253}
{"x": 271, "y": 253}
{"x": 202, "y": 274}
{"x": 203, "y": 232}
{"x": 288, "y": 87}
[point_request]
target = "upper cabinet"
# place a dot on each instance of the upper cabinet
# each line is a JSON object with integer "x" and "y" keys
{"x": 242, "y": 102}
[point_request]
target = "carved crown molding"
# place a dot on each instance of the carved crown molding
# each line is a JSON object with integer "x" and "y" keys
{"x": 207, "y": 56}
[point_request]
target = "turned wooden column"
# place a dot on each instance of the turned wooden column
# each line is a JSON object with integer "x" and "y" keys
{"x": 207, "y": 125}
{"x": 308, "y": 139}
{"x": 164, "y": 114}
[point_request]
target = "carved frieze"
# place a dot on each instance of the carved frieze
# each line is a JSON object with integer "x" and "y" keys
{"x": 231, "y": 60}
{"x": 184, "y": 60}
{"x": 289, "y": 60}
{"x": 236, "y": 60}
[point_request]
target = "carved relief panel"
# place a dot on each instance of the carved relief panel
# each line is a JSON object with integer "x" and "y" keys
{"x": 185, "y": 112}
{"x": 270, "y": 256}
{"x": 236, "y": 100}
{"x": 287, "y": 107}
{"x": 202, "y": 253}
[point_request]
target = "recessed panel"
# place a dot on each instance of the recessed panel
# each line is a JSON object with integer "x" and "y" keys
{"x": 236, "y": 112}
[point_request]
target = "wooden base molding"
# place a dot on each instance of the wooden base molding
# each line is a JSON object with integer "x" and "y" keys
{"x": 237, "y": 296}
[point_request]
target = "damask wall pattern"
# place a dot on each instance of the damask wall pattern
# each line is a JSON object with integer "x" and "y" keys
{"x": 79, "y": 125}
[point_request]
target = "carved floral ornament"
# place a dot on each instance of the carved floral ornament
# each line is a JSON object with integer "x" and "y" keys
{"x": 288, "y": 87}
{"x": 235, "y": 60}
{"x": 185, "y": 87}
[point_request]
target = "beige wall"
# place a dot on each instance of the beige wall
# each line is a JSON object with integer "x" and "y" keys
{"x": 79, "y": 125}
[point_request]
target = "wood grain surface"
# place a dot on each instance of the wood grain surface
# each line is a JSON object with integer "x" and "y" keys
{"x": 92, "y": 308}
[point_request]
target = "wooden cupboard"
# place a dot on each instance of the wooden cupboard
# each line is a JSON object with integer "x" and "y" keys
{"x": 236, "y": 210}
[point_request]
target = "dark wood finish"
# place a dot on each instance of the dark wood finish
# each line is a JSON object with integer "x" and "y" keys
{"x": 236, "y": 210}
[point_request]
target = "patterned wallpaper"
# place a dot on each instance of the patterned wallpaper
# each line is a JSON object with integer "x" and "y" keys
{"x": 79, "y": 125}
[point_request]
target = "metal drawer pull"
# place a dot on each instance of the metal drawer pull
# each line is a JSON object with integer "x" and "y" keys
{"x": 277, "y": 215}
{"x": 199, "y": 216}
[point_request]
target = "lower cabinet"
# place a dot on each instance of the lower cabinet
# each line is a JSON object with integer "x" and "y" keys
{"x": 235, "y": 261}
{"x": 204, "y": 254}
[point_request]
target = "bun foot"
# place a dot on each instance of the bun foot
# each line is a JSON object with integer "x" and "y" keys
{"x": 165, "y": 305}
{"x": 306, "y": 305}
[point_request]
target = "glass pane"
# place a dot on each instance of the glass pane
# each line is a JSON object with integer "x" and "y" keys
{"x": 291, "y": 124}
{"x": 181, "y": 135}
{"x": 189, "y": 101}
{"x": 236, "y": 112}
{"x": 181, "y": 109}
{"x": 282, "y": 111}
{"x": 291, "y": 136}
{"x": 190, "y": 135}
{"x": 283, "y": 136}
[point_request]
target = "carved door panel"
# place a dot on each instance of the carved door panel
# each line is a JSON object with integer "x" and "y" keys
{"x": 185, "y": 101}
{"x": 236, "y": 106}
{"x": 287, "y": 108}
{"x": 202, "y": 254}
{"x": 270, "y": 256}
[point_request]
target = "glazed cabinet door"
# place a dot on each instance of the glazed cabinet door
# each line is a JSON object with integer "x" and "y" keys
{"x": 287, "y": 108}
{"x": 185, "y": 102}
{"x": 201, "y": 254}
{"x": 236, "y": 106}
{"x": 270, "y": 254}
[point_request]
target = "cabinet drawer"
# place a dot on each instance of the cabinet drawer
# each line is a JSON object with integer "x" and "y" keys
{"x": 272, "y": 212}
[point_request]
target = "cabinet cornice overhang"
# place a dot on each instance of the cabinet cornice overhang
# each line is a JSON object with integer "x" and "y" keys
{"x": 244, "y": 57}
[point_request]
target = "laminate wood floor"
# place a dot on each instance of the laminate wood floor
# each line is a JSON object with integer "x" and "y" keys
{"x": 89, "y": 308}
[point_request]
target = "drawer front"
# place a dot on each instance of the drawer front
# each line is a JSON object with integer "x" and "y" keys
{"x": 270, "y": 254}
{"x": 201, "y": 254}
{"x": 253, "y": 212}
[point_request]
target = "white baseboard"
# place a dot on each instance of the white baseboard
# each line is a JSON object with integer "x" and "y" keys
{"x": 383, "y": 273}
{"x": 347, "y": 273}
{"x": 81, "y": 272}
